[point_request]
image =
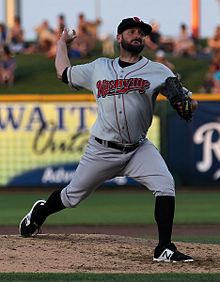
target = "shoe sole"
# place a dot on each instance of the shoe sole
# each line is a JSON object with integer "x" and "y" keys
{"x": 166, "y": 260}
{"x": 36, "y": 203}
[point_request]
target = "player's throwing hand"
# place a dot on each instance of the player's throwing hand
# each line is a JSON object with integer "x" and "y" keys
{"x": 68, "y": 35}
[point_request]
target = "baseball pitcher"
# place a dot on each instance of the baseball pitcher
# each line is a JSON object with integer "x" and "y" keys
{"x": 125, "y": 89}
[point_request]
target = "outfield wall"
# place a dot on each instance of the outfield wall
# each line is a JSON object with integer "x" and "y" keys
{"x": 42, "y": 138}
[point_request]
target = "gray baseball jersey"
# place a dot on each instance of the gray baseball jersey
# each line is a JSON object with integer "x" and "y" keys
{"x": 125, "y": 99}
{"x": 125, "y": 96}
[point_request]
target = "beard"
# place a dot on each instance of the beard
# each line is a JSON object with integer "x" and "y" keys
{"x": 134, "y": 49}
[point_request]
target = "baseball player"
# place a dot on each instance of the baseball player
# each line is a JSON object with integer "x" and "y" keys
{"x": 125, "y": 90}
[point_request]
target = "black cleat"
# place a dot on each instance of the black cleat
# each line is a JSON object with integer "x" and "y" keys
{"x": 27, "y": 227}
{"x": 170, "y": 254}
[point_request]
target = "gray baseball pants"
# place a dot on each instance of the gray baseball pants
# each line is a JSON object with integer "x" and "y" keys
{"x": 99, "y": 163}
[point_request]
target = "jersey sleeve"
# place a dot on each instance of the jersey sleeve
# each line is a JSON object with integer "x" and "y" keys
{"x": 64, "y": 76}
{"x": 168, "y": 73}
{"x": 81, "y": 76}
{"x": 165, "y": 72}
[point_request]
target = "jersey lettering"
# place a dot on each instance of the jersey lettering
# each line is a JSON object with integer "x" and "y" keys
{"x": 121, "y": 86}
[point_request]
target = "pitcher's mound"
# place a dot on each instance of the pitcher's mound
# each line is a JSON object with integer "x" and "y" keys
{"x": 98, "y": 253}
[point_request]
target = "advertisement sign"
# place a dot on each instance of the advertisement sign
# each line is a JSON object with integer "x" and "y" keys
{"x": 34, "y": 136}
{"x": 206, "y": 141}
{"x": 42, "y": 142}
{"x": 193, "y": 153}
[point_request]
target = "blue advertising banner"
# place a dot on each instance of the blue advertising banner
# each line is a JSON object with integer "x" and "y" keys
{"x": 60, "y": 176}
{"x": 193, "y": 150}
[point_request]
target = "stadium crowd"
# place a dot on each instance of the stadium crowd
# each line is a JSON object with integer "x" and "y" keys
{"x": 13, "y": 42}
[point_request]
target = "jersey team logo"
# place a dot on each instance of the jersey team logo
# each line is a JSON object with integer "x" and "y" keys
{"x": 121, "y": 86}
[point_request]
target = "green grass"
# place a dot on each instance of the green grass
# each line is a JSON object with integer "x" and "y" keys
{"x": 192, "y": 72}
{"x": 84, "y": 277}
{"x": 208, "y": 239}
{"x": 117, "y": 207}
{"x": 35, "y": 74}
{"x": 198, "y": 207}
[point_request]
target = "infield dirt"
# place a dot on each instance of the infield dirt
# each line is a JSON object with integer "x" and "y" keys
{"x": 98, "y": 253}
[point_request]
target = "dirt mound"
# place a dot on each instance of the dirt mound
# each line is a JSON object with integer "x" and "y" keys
{"x": 98, "y": 253}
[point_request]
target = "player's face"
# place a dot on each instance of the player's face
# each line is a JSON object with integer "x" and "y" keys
{"x": 132, "y": 40}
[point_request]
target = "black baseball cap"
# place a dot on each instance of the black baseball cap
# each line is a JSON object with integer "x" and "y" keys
{"x": 134, "y": 22}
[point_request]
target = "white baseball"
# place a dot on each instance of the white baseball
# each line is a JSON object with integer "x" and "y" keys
{"x": 70, "y": 33}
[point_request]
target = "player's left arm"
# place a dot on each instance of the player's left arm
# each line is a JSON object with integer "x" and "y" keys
{"x": 179, "y": 98}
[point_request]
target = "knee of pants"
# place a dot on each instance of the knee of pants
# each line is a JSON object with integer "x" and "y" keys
{"x": 166, "y": 188}
{"x": 71, "y": 198}
{"x": 169, "y": 191}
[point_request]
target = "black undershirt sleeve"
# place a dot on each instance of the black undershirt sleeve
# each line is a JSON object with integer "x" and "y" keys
{"x": 64, "y": 76}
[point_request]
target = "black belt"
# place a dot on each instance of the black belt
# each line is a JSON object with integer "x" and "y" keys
{"x": 124, "y": 148}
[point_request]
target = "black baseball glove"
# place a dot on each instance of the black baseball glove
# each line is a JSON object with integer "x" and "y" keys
{"x": 178, "y": 98}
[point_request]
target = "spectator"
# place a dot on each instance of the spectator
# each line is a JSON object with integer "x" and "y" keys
{"x": 184, "y": 44}
{"x": 153, "y": 41}
{"x": 16, "y": 37}
{"x": 214, "y": 42}
{"x": 3, "y": 35}
{"x": 208, "y": 81}
{"x": 216, "y": 82}
{"x": 87, "y": 27}
{"x": 160, "y": 57}
{"x": 46, "y": 36}
{"x": 81, "y": 25}
{"x": 85, "y": 41}
{"x": 61, "y": 24}
{"x": 108, "y": 46}
{"x": 82, "y": 46}
{"x": 7, "y": 67}
{"x": 212, "y": 79}
{"x": 92, "y": 27}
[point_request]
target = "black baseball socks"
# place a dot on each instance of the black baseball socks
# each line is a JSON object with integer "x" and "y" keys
{"x": 164, "y": 214}
{"x": 52, "y": 205}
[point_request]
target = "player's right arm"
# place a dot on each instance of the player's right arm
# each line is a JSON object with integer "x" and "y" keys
{"x": 77, "y": 76}
{"x": 62, "y": 60}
